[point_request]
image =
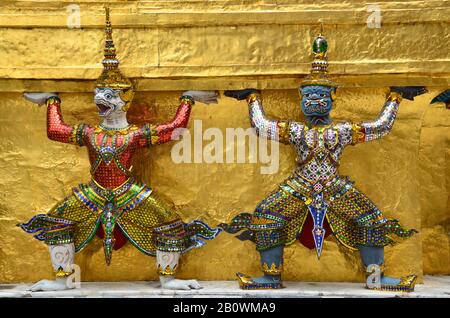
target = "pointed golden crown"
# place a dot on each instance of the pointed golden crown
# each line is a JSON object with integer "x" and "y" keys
{"x": 319, "y": 66}
{"x": 111, "y": 76}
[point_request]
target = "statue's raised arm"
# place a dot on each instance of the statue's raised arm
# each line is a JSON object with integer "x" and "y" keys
{"x": 265, "y": 127}
{"x": 382, "y": 125}
{"x": 165, "y": 132}
{"x": 57, "y": 129}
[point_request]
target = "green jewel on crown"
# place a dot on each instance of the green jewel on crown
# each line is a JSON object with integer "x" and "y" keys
{"x": 320, "y": 45}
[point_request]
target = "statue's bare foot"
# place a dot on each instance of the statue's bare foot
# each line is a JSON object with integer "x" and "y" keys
{"x": 177, "y": 284}
{"x": 50, "y": 285}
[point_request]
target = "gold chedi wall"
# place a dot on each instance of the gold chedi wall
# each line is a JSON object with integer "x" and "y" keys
{"x": 167, "y": 47}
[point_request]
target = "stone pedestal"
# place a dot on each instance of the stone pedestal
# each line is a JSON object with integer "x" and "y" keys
{"x": 434, "y": 286}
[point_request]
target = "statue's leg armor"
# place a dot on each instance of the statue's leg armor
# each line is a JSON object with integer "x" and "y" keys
{"x": 167, "y": 264}
{"x": 170, "y": 237}
{"x": 371, "y": 232}
{"x": 267, "y": 226}
{"x": 272, "y": 266}
{"x": 62, "y": 257}
{"x": 373, "y": 260}
{"x": 270, "y": 244}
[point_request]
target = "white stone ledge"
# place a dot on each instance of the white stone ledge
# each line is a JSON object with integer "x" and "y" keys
{"x": 434, "y": 286}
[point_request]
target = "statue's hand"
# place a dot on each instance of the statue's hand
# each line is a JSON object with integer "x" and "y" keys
{"x": 50, "y": 285}
{"x": 409, "y": 92}
{"x": 241, "y": 94}
{"x": 206, "y": 97}
{"x": 39, "y": 98}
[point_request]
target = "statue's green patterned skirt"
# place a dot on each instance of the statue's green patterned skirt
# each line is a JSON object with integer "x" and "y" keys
{"x": 145, "y": 219}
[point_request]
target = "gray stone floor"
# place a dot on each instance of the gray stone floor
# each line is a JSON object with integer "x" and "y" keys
{"x": 434, "y": 286}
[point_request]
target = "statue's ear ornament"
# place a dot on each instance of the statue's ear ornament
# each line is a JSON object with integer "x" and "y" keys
{"x": 333, "y": 94}
{"x": 127, "y": 97}
{"x": 111, "y": 76}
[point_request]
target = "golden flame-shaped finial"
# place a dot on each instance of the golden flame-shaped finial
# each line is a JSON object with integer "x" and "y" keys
{"x": 110, "y": 61}
{"x": 111, "y": 76}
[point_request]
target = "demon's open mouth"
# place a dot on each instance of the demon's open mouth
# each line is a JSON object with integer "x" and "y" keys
{"x": 104, "y": 108}
{"x": 316, "y": 102}
{"x": 318, "y": 106}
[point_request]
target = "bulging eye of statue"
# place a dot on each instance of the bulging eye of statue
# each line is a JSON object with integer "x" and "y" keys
{"x": 108, "y": 96}
{"x": 307, "y": 95}
{"x": 323, "y": 95}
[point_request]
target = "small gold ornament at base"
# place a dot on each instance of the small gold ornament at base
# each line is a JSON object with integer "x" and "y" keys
{"x": 273, "y": 269}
